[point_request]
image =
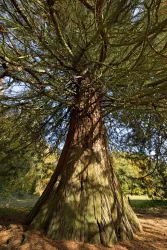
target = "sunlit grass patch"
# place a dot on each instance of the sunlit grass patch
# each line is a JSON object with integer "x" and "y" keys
{"x": 146, "y": 205}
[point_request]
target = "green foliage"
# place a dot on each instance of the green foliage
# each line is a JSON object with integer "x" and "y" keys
{"x": 22, "y": 161}
{"x": 39, "y": 174}
{"x": 31, "y": 180}
{"x": 138, "y": 174}
{"x": 128, "y": 171}
{"x": 13, "y": 162}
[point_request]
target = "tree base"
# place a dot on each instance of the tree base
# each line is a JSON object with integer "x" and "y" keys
{"x": 91, "y": 211}
{"x": 86, "y": 203}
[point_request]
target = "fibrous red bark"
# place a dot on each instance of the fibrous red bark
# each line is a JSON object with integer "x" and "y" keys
{"x": 83, "y": 200}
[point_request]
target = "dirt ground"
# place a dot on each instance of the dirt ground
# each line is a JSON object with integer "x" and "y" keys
{"x": 14, "y": 237}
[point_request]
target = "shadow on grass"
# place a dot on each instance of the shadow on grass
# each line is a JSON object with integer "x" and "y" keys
{"x": 13, "y": 215}
{"x": 149, "y": 206}
{"x": 13, "y": 210}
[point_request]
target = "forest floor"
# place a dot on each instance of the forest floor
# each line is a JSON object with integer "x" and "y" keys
{"x": 152, "y": 215}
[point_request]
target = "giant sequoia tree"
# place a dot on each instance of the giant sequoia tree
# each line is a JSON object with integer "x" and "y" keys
{"x": 72, "y": 64}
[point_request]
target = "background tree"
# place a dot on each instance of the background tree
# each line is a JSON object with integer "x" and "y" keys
{"x": 78, "y": 62}
{"x": 146, "y": 141}
{"x": 18, "y": 154}
{"x": 139, "y": 174}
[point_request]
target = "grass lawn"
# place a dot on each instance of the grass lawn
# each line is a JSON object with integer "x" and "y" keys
{"x": 143, "y": 204}
{"x": 24, "y": 201}
{"x": 14, "y": 209}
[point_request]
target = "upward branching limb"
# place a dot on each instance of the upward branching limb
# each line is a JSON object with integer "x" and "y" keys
{"x": 59, "y": 32}
{"x": 87, "y": 5}
{"x": 22, "y": 14}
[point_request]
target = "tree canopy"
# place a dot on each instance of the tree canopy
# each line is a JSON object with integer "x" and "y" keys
{"x": 46, "y": 46}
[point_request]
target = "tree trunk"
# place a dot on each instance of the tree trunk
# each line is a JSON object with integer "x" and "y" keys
{"x": 83, "y": 200}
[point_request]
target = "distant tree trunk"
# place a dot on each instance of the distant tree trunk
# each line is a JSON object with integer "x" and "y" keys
{"x": 83, "y": 200}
